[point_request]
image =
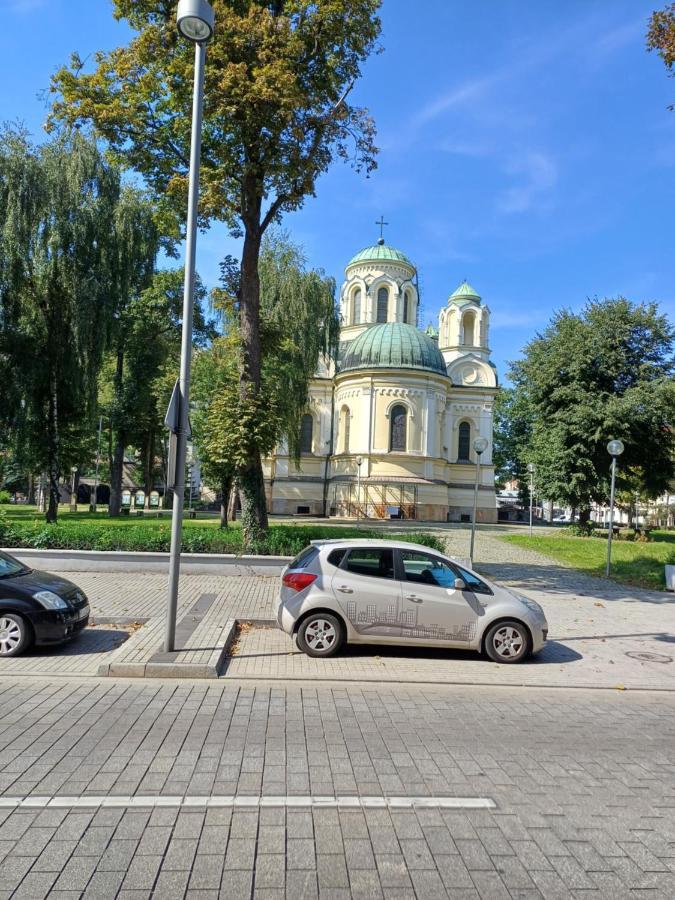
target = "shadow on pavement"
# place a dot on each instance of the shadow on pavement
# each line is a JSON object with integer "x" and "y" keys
{"x": 88, "y": 641}
{"x": 555, "y": 579}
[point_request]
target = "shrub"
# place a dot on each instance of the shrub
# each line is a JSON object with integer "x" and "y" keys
{"x": 5, "y": 497}
{"x": 579, "y": 529}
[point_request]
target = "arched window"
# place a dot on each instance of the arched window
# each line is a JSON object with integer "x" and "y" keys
{"x": 464, "y": 444}
{"x": 398, "y": 428}
{"x": 345, "y": 419}
{"x": 356, "y": 307}
{"x": 382, "y": 304}
{"x": 406, "y": 307}
{"x": 468, "y": 328}
{"x": 306, "y": 428}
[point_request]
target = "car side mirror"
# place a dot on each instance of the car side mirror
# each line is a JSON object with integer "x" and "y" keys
{"x": 460, "y": 584}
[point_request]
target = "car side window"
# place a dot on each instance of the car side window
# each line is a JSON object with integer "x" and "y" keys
{"x": 376, "y": 563}
{"x": 473, "y": 582}
{"x": 421, "y": 568}
{"x": 335, "y": 557}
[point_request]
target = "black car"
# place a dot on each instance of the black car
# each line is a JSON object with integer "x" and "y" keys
{"x": 37, "y": 608}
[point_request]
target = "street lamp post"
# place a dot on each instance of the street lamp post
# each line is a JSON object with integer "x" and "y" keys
{"x": 359, "y": 463}
{"x": 614, "y": 448}
{"x": 195, "y": 20}
{"x": 530, "y": 469}
{"x": 479, "y": 446}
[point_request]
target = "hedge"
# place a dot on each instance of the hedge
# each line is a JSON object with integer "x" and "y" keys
{"x": 281, "y": 540}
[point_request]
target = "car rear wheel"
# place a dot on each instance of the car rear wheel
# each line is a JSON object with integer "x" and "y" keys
{"x": 15, "y": 635}
{"x": 320, "y": 634}
{"x": 508, "y": 642}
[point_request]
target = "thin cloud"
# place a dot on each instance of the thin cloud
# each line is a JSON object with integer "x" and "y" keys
{"x": 540, "y": 173}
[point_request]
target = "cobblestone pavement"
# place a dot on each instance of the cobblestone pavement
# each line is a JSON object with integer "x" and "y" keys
{"x": 594, "y": 624}
{"x": 582, "y": 781}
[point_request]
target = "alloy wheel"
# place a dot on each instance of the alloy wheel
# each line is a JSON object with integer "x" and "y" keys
{"x": 508, "y": 642}
{"x": 320, "y": 635}
{"x": 10, "y": 635}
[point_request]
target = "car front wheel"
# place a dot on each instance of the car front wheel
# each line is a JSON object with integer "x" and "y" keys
{"x": 508, "y": 642}
{"x": 15, "y": 635}
{"x": 320, "y": 634}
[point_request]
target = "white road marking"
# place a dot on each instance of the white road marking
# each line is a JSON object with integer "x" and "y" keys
{"x": 242, "y": 800}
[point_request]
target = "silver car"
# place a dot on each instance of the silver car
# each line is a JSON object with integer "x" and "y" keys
{"x": 392, "y": 592}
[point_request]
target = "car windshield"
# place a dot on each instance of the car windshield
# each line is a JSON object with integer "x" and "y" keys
{"x": 10, "y": 566}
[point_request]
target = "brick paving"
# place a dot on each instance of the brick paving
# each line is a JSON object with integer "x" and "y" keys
{"x": 594, "y": 623}
{"x": 583, "y": 784}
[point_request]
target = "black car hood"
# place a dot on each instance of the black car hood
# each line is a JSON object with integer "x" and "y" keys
{"x": 32, "y": 582}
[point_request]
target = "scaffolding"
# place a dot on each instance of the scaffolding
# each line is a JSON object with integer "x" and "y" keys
{"x": 384, "y": 500}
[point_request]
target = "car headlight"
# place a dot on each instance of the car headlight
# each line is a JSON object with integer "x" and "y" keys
{"x": 50, "y": 600}
{"x": 531, "y": 605}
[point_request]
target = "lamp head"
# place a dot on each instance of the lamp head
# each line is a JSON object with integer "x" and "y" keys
{"x": 196, "y": 20}
{"x": 480, "y": 445}
{"x": 530, "y": 467}
{"x": 359, "y": 461}
{"x": 615, "y": 448}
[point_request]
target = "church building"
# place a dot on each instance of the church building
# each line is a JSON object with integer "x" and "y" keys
{"x": 390, "y": 426}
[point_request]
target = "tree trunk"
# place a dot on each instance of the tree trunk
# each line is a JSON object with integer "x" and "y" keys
{"x": 53, "y": 468}
{"x": 250, "y": 474}
{"x": 149, "y": 458}
{"x": 232, "y": 505}
{"x": 117, "y": 461}
{"x": 225, "y": 490}
{"x": 116, "y": 475}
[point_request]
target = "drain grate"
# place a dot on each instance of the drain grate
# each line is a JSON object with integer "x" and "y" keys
{"x": 649, "y": 657}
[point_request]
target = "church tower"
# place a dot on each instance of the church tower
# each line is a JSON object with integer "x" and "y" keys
{"x": 380, "y": 286}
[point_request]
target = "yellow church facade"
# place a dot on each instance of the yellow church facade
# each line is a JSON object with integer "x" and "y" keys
{"x": 390, "y": 426}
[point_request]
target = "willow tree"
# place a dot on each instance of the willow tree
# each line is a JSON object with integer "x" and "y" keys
{"x": 300, "y": 326}
{"x": 133, "y": 247}
{"x": 277, "y": 114}
{"x": 57, "y": 207}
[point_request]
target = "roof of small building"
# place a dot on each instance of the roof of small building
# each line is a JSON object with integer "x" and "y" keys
{"x": 465, "y": 293}
{"x": 380, "y": 251}
{"x": 393, "y": 345}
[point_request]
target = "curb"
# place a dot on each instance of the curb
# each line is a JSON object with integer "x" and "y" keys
{"x": 137, "y": 561}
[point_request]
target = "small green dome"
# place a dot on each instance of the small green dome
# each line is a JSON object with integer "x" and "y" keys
{"x": 380, "y": 251}
{"x": 393, "y": 345}
{"x": 465, "y": 293}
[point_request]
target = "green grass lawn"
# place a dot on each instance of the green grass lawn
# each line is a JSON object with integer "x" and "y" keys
{"x": 632, "y": 563}
{"x": 22, "y": 526}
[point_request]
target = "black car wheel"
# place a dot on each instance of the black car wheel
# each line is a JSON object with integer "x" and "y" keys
{"x": 15, "y": 634}
{"x": 508, "y": 642}
{"x": 320, "y": 634}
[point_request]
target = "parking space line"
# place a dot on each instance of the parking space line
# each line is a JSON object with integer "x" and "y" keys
{"x": 250, "y": 801}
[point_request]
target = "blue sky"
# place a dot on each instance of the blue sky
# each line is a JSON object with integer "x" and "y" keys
{"x": 526, "y": 145}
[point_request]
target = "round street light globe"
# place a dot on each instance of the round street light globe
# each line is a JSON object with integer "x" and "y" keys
{"x": 480, "y": 444}
{"x": 196, "y": 20}
{"x": 530, "y": 467}
{"x": 615, "y": 448}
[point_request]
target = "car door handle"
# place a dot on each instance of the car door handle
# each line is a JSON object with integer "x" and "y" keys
{"x": 345, "y": 590}
{"x": 414, "y": 598}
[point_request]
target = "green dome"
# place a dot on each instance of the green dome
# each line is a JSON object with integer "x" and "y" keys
{"x": 393, "y": 345}
{"x": 380, "y": 252}
{"x": 465, "y": 293}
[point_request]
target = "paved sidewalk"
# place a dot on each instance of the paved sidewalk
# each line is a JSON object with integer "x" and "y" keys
{"x": 594, "y": 625}
{"x": 582, "y": 783}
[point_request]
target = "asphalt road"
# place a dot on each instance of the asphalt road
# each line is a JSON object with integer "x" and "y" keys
{"x": 120, "y": 788}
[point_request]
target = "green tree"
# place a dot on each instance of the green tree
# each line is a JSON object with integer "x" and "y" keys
{"x": 57, "y": 209}
{"x": 140, "y": 370}
{"x": 604, "y": 373}
{"x": 300, "y": 327}
{"x": 278, "y": 78}
{"x": 661, "y": 36}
